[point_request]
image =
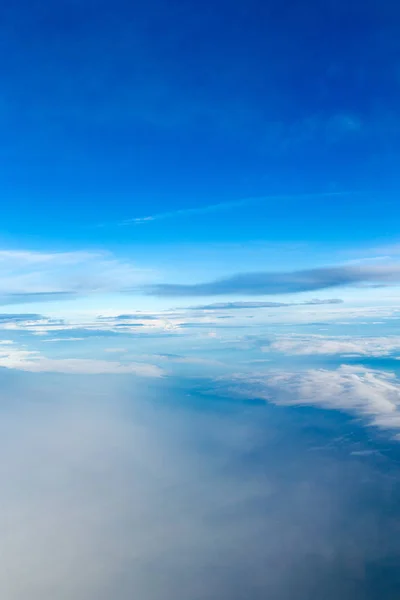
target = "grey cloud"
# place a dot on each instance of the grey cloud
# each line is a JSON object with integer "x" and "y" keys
{"x": 270, "y": 283}
{"x": 239, "y": 305}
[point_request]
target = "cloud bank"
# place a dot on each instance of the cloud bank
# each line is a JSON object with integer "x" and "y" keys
{"x": 110, "y": 494}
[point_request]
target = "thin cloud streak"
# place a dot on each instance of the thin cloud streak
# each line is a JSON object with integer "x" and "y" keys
{"x": 244, "y": 305}
{"x": 222, "y": 206}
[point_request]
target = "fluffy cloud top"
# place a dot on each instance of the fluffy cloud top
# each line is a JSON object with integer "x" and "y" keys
{"x": 368, "y": 393}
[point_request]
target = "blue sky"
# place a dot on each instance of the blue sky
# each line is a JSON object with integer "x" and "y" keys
{"x": 199, "y": 299}
{"x": 110, "y": 114}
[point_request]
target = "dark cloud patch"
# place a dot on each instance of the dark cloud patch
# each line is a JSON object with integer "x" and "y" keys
{"x": 270, "y": 283}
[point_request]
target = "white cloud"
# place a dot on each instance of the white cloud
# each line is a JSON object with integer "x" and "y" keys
{"x": 368, "y": 393}
{"x": 33, "y": 361}
{"x": 318, "y": 344}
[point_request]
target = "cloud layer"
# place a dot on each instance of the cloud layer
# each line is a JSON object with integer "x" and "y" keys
{"x": 107, "y": 493}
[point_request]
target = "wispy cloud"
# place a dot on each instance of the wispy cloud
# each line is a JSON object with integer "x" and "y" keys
{"x": 32, "y": 361}
{"x": 223, "y": 206}
{"x": 31, "y": 276}
{"x": 270, "y": 283}
{"x": 244, "y": 305}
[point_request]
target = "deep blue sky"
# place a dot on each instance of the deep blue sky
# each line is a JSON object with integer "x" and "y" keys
{"x": 119, "y": 110}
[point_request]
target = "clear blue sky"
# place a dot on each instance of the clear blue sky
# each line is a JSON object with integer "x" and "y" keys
{"x": 116, "y": 111}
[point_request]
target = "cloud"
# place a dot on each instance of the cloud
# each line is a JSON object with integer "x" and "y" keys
{"x": 34, "y": 362}
{"x": 223, "y": 206}
{"x": 240, "y": 305}
{"x": 32, "y": 276}
{"x": 368, "y": 393}
{"x": 345, "y": 345}
{"x": 109, "y": 493}
{"x": 270, "y": 283}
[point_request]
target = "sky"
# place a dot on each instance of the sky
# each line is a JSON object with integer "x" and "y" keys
{"x": 199, "y": 299}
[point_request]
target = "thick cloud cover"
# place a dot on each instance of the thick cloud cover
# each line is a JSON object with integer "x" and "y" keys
{"x": 107, "y": 493}
{"x": 285, "y": 283}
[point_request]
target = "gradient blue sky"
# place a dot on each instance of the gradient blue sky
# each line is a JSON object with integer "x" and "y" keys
{"x": 116, "y": 112}
{"x": 257, "y": 137}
